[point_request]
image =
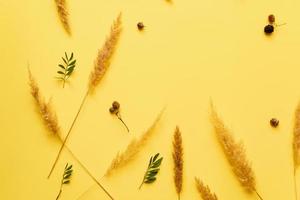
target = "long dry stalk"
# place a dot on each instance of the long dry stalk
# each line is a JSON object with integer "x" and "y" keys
{"x": 178, "y": 161}
{"x": 50, "y": 119}
{"x": 235, "y": 154}
{"x": 296, "y": 145}
{"x": 134, "y": 147}
{"x": 105, "y": 54}
{"x": 62, "y": 11}
{"x": 204, "y": 191}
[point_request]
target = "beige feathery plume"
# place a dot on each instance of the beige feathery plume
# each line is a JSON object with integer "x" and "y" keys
{"x": 178, "y": 160}
{"x": 235, "y": 154}
{"x": 63, "y": 14}
{"x": 104, "y": 55}
{"x": 48, "y": 115}
{"x": 132, "y": 149}
{"x": 204, "y": 191}
{"x": 296, "y": 145}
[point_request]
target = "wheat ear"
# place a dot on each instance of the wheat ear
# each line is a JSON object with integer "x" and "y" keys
{"x": 178, "y": 161}
{"x": 296, "y": 145}
{"x": 63, "y": 14}
{"x": 110, "y": 45}
{"x": 235, "y": 154}
{"x": 204, "y": 191}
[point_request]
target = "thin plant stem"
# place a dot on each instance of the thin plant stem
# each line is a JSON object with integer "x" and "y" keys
{"x": 60, "y": 190}
{"x": 141, "y": 185}
{"x": 295, "y": 183}
{"x": 280, "y": 24}
{"x": 82, "y": 194}
{"x": 120, "y": 118}
{"x": 258, "y": 195}
{"x": 143, "y": 180}
{"x": 68, "y": 134}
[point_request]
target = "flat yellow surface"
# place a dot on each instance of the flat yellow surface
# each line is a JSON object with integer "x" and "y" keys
{"x": 190, "y": 52}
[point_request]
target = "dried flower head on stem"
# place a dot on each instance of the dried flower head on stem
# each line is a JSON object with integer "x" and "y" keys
{"x": 115, "y": 110}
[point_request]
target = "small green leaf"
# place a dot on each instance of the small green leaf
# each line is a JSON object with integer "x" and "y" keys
{"x": 61, "y": 66}
{"x": 150, "y": 162}
{"x": 64, "y": 60}
{"x": 60, "y": 72}
{"x": 71, "y": 56}
{"x": 66, "y": 55}
{"x": 70, "y": 167}
{"x": 66, "y": 176}
{"x": 154, "y": 159}
{"x": 150, "y": 180}
{"x": 72, "y": 63}
{"x": 66, "y": 182}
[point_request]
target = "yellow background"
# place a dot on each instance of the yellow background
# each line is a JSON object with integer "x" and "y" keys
{"x": 190, "y": 52}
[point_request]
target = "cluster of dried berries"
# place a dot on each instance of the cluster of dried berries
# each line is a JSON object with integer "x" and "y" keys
{"x": 271, "y": 26}
{"x": 115, "y": 110}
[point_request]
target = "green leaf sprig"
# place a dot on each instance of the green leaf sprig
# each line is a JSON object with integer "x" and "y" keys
{"x": 152, "y": 170}
{"x": 66, "y": 178}
{"x": 67, "y": 68}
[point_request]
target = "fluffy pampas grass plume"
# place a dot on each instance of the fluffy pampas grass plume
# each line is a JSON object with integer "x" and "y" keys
{"x": 204, "y": 191}
{"x": 63, "y": 14}
{"x": 235, "y": 154}
{"x": 47, "y": 114}
{"x": 178, "y": 161}
{"x": 132, "y": 149}
{"x": 102, "y": 61}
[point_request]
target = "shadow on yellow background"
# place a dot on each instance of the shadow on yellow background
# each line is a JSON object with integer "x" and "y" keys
{"x": 190, "y": 52}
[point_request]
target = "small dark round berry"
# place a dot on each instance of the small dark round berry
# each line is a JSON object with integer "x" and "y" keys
{"x": 112, "y": 110}
{"x": 274, "y": 122}
{"x": 271, "y": 19}
{"x": 116, "y": 105}
{"x": 269, "y": 29}
{"x": 140, "y": 26}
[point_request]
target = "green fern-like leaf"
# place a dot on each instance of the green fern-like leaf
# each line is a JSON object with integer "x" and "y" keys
{"x": 152, "y": 169}
{"x": 67, "y": 68}
{"x": 66, "y": 178}
{"x": 67, "y": 174}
